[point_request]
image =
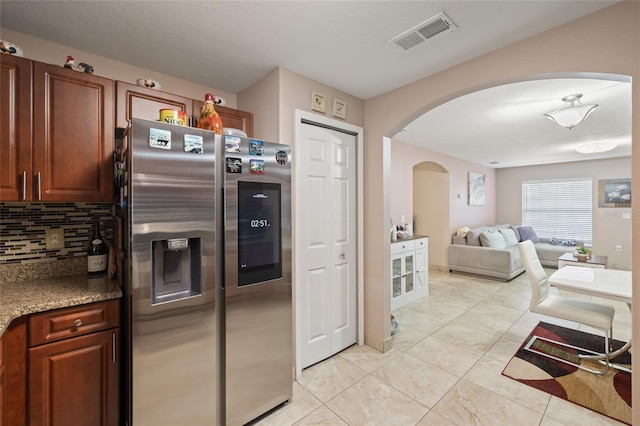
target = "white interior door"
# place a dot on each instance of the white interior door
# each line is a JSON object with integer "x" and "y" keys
{"x": 326, "y": 242}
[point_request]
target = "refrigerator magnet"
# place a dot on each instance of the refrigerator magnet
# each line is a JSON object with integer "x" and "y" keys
{"x": 282, "y": 157}
{"x": 159, "y": 138}
{"x": 257, "y": 167}
{"x": 256, "y": 147}
{"x": 193, "y": 143}
{"x": 234, "y": 165}
{"x": 232, "y": 144}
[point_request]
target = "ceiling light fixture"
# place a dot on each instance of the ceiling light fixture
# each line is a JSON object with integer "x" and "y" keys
{"x": 572, "y": 113}
{"x": 595, "y": 147}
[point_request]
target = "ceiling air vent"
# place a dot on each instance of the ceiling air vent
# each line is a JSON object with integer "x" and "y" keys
{"x": 430, "y": 28}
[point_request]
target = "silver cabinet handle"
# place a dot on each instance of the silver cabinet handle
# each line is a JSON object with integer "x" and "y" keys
{"x": 77, "y": 323}
{"x": 24, "y": 185}
{"x": 39, "y": 186}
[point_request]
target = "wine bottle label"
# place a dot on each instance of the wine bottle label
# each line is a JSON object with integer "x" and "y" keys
{"x": 97, "y": 263}
{"x": 96, "y": 242}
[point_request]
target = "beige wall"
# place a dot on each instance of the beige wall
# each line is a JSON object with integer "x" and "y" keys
{"x": 41, "y": 50}
{"x": 263, "y": 99}
{"x": 459, "y": 213}
{"x": 609, "y": 226}
{"x": 570, "y": 48}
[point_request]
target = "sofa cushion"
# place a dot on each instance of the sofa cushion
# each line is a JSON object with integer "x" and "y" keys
{"x": 473, "y": 236}
{"x": 528, "y": 233}
{"x": 515, "y": 231}
{"x": 491, "y": 238}
{"x": 509, "y": 236}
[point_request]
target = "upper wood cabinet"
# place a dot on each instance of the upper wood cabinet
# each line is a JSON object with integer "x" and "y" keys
{"x": 73, "y": 135}
{"x": 57, "y": 136}
{"x": 142, "y": 102}
{"x": 15, "y": 128}
{"x": 232, "y": 118}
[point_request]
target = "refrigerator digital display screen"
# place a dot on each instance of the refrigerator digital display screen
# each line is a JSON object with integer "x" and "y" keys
{"x": 259, "y": 232}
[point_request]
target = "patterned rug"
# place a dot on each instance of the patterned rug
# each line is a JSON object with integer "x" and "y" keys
{"x": 609, "y": 394}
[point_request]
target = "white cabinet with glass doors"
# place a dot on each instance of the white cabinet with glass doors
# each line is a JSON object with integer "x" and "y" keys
{"x": 409, "y": 271}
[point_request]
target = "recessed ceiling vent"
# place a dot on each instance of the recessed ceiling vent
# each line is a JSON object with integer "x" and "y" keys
{"x": 429, "y": 29}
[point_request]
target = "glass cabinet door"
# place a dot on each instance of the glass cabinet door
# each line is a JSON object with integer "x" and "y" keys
{"x": 396, "y": 276}
{"x": 409, "y": 273}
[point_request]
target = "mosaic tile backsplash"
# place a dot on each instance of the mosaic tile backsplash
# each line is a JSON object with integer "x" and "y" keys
{"x": 23, "y": 226}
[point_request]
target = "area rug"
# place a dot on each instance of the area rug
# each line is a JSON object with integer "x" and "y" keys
{"x": 609, "y": 394}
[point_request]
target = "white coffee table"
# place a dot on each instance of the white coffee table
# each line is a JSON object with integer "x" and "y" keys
{"x": 593, "y": 262}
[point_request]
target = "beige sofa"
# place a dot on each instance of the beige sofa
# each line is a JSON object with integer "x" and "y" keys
{"x": 473, "y": 252}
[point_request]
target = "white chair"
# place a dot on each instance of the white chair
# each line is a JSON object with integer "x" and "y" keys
{"x": 595, "y": 315}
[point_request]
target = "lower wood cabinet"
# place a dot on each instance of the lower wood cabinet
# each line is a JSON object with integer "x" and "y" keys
{"x": 61, "y": 367}
{"x": 75, "y": 381}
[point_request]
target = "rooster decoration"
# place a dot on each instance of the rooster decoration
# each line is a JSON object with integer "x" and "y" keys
{"x": 81, "y": 67}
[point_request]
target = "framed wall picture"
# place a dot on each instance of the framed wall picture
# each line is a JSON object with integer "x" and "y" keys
{"x": 318, "y": 102}
{"x": 476, "y": 189}
{"x": 339, "y": 108}
{"x": 614, "y": 193}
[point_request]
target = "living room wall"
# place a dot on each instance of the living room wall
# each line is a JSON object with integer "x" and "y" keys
{"x": 610, "y": 226}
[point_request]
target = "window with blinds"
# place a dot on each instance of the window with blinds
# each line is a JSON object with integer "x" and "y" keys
{"x": 559, "y": 208}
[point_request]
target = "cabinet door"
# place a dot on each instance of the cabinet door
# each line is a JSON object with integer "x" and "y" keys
{"x": 409, "y": 273}
{"x": 15, "y": 129}
{"x": 2, "y": 380}
{"x": 396, "y": 277}
{"x": 75, "y": 381}
{"x": 73, "y": 135}
{"x": 141, "y": 102}
{"x": 232, "y": 118}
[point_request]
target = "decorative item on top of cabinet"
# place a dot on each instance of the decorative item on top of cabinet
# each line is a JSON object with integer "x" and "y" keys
{"x": 143, "y": 102}
{"x": 409, "y": 271}
{"x": 231, "y": 118}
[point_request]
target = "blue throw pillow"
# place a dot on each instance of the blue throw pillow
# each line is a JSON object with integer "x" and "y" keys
{"x": 527, "y": 233}
{"x": 555, "y": 241}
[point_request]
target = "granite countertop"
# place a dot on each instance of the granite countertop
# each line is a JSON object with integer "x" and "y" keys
{"x": 18, "y": 298}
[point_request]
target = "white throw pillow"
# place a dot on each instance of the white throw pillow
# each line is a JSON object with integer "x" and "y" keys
{"x": 509, "y": 236}
{"x": 492, "y": 239}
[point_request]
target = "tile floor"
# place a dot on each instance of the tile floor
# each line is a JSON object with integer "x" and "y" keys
{"x": 445, "y": 366}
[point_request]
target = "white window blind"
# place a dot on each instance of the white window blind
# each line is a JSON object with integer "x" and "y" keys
{"x": 559, "y": 208}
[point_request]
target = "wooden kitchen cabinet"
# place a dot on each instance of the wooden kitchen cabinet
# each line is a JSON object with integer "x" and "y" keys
{"x": 14, "y": 378}
{"x": 15, "y": 128}
{"x": 73, "y": 135}
{"x": 74, "y": 377}
{"x": 142, "y": 102}
{"x": 56, "y": 133}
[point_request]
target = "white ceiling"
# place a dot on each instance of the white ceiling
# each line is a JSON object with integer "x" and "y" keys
{"x": 232, "y": 44}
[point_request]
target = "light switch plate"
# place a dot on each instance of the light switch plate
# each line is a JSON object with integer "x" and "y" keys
{"x": 55, "y": 238}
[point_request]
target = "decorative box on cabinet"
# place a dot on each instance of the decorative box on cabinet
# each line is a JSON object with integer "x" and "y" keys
{"x": 409, "y": 271}
{"x": 73, "y": 363}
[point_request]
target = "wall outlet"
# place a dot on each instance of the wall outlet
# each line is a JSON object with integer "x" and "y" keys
{"x": 55, "y": 238}
{"x": 618, "y": 248}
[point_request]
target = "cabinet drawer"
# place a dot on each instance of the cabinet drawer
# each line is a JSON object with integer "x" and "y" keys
{"x": 64, "y": 323}
{"x": 402, "y": 246}
{"x": 421, "y": 243}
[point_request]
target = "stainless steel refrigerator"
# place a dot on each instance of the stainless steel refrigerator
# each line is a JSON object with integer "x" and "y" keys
{"x": 206, "y": 276}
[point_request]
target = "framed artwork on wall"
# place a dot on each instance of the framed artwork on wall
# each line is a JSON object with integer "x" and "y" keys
{"x": 614, "y": 193}
{"x": 318, "y": 102}
{"x": 476, "y": 189}
{"x": 339, "y": 108}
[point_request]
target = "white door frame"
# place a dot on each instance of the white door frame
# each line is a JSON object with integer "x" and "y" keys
{"x": 301, "y": 115}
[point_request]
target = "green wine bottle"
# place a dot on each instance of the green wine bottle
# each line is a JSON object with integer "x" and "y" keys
{"x": 98, "y": 252}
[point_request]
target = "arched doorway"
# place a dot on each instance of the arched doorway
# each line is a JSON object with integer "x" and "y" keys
{"x": 431, "y": 209}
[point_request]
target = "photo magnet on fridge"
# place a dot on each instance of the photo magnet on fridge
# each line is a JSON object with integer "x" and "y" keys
{"x": 257, "y": 167}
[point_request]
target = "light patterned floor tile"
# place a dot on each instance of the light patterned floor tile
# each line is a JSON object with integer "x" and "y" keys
{"x": 469, "y": 404}
{"x": 301, "y": 404}
{"x": 321, "y": 417}
{"x": 368, "y": 358}
{"x": 421, "y": 381}
{"x": 420, "y": 321}
{"x": 447, "y": 356}
{"x": 406, "y": 337}
{"x": 569, "y": 413}
{"x": 373, "y": 402}
{"x": 467, "y": 337}
{"x": 330, "y": 377}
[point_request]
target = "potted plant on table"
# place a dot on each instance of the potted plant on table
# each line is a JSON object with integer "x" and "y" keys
{"x": 582, "y": 253}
